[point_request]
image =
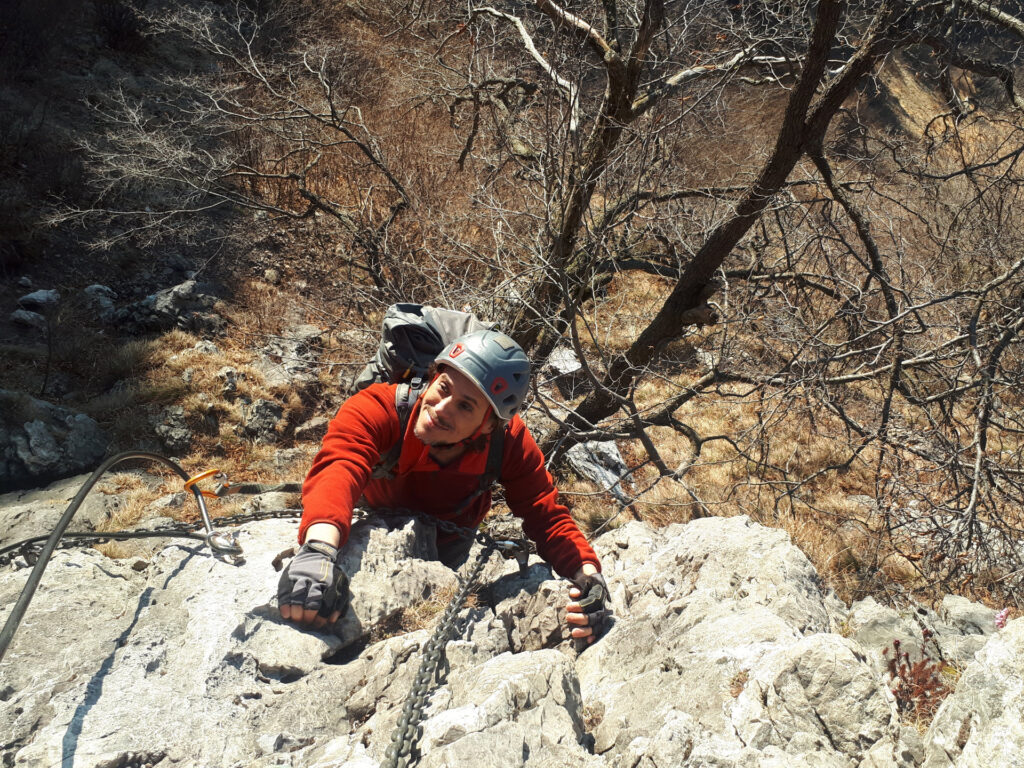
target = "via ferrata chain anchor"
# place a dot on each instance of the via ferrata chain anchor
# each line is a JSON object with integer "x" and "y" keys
{"x": 515, "y": 548}
{"x": 223, "y": 545}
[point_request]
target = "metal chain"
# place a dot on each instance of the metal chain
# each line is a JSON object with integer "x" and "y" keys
{"x": 29, "y": 548}
{"x": 400, "y": 753}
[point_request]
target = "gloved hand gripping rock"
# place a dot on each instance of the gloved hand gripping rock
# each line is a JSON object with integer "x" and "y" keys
{"x": 314, "y": 580}
{"x": 596, "y": 603}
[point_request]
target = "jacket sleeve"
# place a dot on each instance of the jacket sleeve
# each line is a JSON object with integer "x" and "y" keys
{"x": 365, "y": 428}
{"x": 531, "y": 495}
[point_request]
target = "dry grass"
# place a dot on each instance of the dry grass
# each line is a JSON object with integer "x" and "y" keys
{"x": 594, "y": 511}
{"x": 420, "y": 615}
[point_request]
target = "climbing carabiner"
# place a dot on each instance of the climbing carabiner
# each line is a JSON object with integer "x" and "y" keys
{"x": 191, "y": 482}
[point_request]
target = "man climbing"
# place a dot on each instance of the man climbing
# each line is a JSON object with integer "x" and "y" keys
{"x": 477, "y": 386}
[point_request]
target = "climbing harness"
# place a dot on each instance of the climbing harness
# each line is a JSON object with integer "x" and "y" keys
{"x": 402, "y": 751}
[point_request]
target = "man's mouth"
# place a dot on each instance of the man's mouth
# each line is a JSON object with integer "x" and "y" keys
{"x": 433, "y": 421}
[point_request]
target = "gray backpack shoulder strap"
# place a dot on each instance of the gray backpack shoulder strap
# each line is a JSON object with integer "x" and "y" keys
{"x": 405, "y": 398}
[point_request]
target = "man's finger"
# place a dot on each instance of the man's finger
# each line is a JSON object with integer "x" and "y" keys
{"x": 286, "y": 612}
{"x": 582, "y": 632}
{"x": 309, "y": 616}
{"x": 580, "y": 619}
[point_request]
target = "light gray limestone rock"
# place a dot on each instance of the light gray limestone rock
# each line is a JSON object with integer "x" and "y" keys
{"x": 967, "y": 617}
{"x": 390, "y": 570}
{"x": 565, "y": 370}
{"x": 698, "y": 608}
{"x": 820, "y": 695}
{"x": 981, "y": 724}
{"x": 724, "y": 654}
{"x": 42, "y": 440}
{"x": 602, "y": 463}
{"x": 199, "y": 645}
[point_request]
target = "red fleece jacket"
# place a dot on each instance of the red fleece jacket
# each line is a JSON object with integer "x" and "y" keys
{"x": 365, "y": 429}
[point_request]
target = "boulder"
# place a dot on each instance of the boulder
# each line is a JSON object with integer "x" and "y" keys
{"x": 565, "y": 371}
{"x": 260, "y": 421}
{"x": 173, "y": 431}
{"x": 602, "y": 463}
{"x": 184, "y": 306}
{"x": 27, "y": 319}
{"x": 100, "y": 298}
{"x": 40, "y": 301}
{"x": 40, "y": 440}
{"x": 967, "y": 617}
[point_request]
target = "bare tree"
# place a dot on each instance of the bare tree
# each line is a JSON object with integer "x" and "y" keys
{"x": 819, "y": 253}
{"x": 262, "y": 126}
{"x": 802, "y": 253}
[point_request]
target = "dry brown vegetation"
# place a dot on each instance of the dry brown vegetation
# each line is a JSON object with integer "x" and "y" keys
{"x": 423, "y": 156}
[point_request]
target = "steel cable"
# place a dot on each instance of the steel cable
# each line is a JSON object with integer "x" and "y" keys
{"x": 27, "y": 592}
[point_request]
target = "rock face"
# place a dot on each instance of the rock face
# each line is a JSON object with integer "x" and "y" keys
{"x": 602, "y": 463}
{"x": 725, "y": 652}
{"x": 291, "y": 359}
{"x": 40, "y": 440}
{"x": 185, "y": 306}
{"x": 24, "y": 514}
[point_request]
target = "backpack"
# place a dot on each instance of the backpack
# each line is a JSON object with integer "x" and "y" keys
{"x": 412, "y": 336}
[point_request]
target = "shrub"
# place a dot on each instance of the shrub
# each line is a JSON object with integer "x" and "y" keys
{"x": 920, "y": 686}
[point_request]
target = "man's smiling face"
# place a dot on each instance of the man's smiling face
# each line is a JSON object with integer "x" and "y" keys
{"x": 451, "y": 410}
